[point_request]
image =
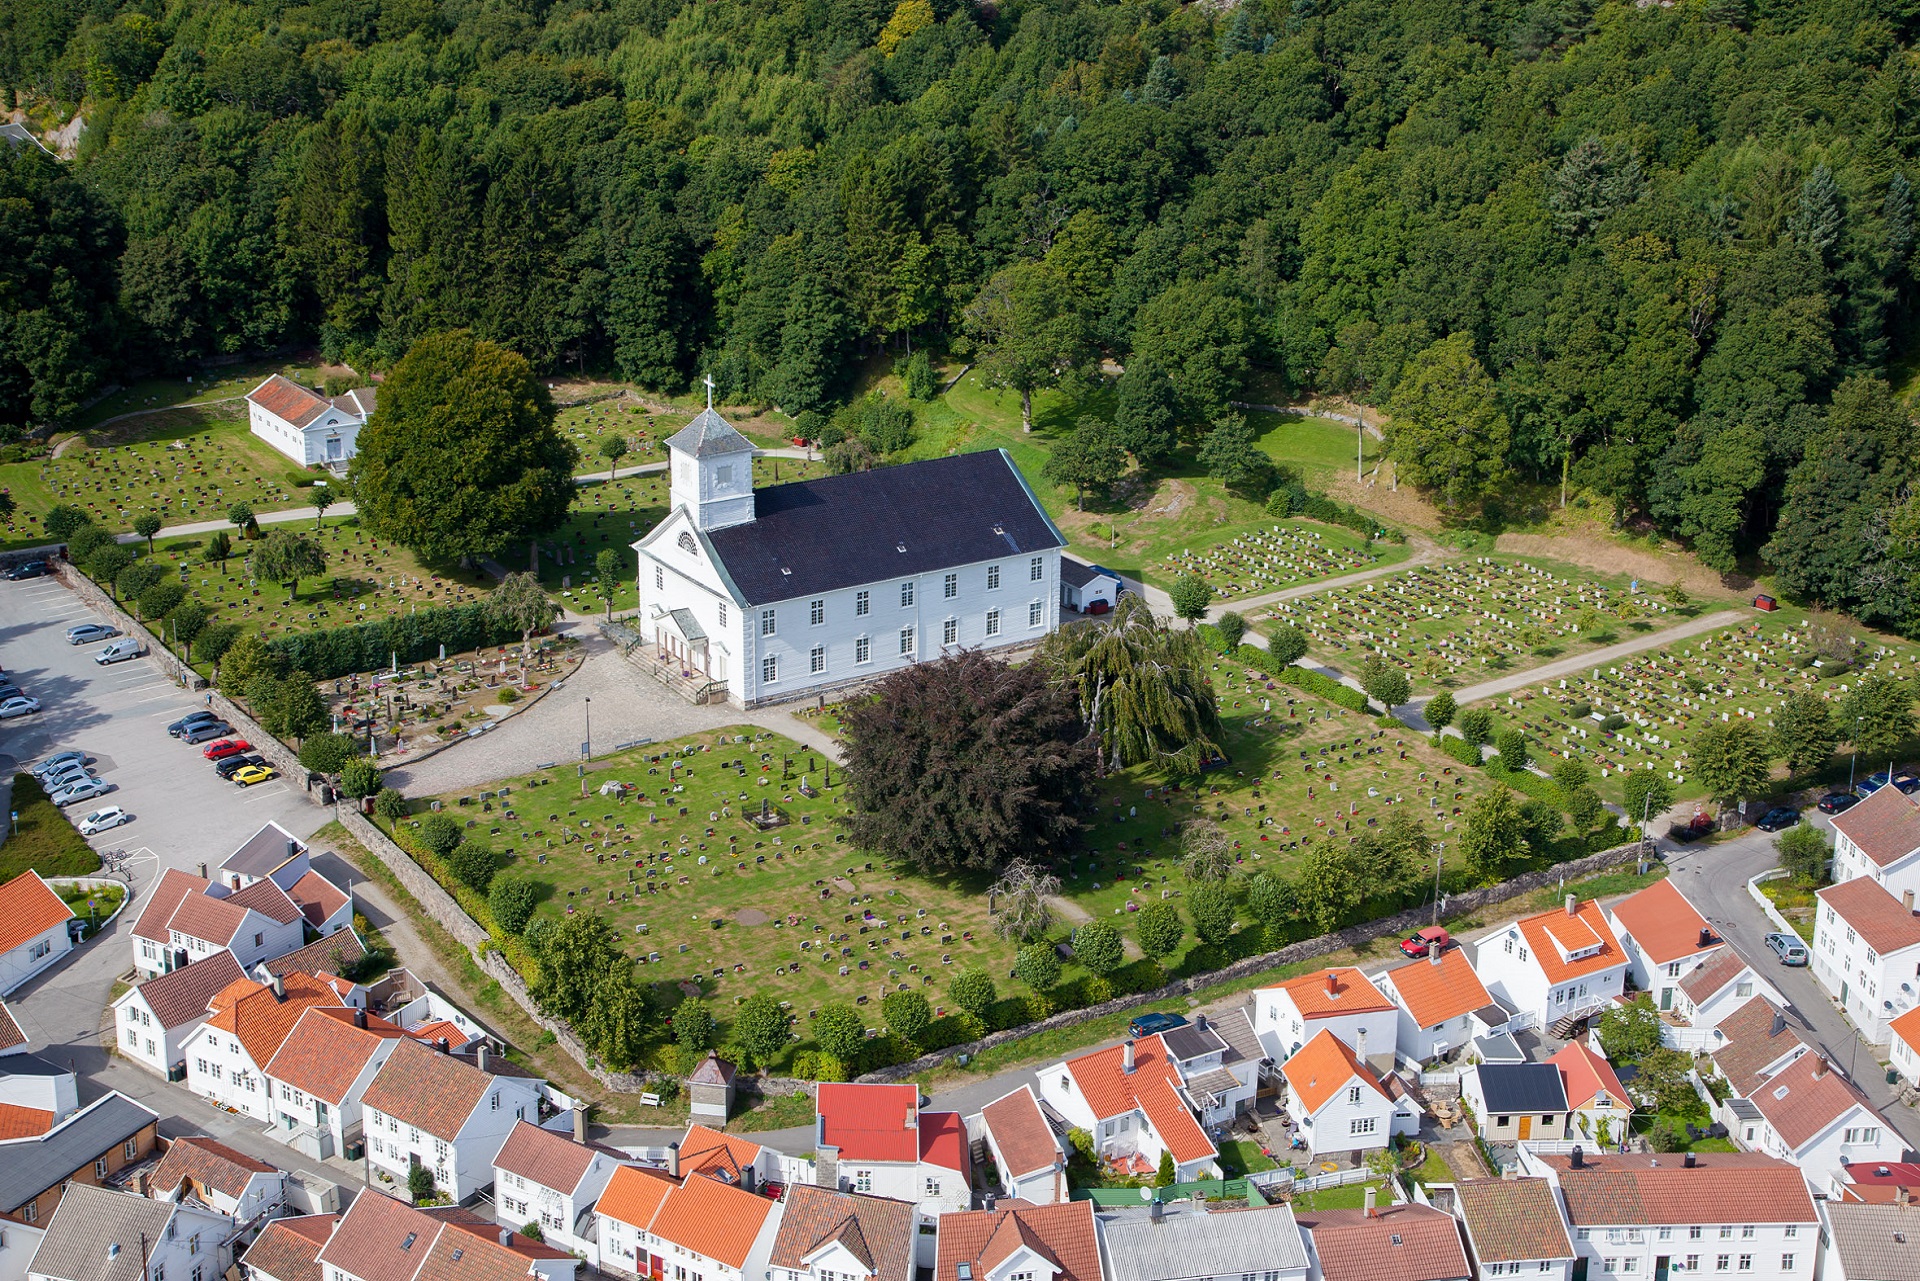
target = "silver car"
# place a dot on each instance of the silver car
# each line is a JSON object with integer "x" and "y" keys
{"x": 84, "y": 790}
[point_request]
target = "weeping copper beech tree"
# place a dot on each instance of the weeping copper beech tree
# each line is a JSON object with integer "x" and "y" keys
{"x": 1142, "y": 689}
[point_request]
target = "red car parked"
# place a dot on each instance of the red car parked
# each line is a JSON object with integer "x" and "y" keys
{"x": 219, "y": 751}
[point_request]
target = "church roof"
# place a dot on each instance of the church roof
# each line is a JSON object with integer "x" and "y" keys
{"x": 709, "y": 435}
{"x": 816, "y": 536}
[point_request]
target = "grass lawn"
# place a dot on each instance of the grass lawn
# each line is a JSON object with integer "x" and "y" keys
{"x": 188, "y": 464}
{"x": 162, "y": 393}
{"x": 646, "y": 431}
{"x": 1434, "y": 1169}
{"x": 92, "y": 905}
{"x": 1352, "y": 1196}
{"x": 1240, "y": 1157}
{"x": 1794, "y": 901}
{"x": 779, "y": 1113}
{"x": 42, "y": 839}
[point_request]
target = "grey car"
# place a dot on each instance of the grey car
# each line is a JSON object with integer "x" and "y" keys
{"x": 54, "y": 764}
{"x": 84, "y": 790}
{"x": 207, "y": 731}
{"x": 87, "y": 633}
{"x": 65, "y": 776}
{"x": 1789, "y": 948}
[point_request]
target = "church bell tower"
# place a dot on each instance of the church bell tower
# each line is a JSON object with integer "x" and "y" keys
{"x": 712, "y": 470}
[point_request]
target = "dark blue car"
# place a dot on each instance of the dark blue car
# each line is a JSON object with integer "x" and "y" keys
{"x": 1154, "y": 1024}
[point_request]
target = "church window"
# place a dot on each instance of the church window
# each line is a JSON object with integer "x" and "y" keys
{"x": 862, "y": 604}
{"x": 1033, "y": 614}
{"x": 906, "y": 640}
{"x": 687, "y": 544}
{"x": 770, "y": 668}
{"x": 993, "y": 578}
{"x": 863, "y": 649}
{"x": 817, "y": 661}
{"x": 906, "y": 593}
{"x": 993, "y": 622}
{"x": 723, "y": 613}
{"x": 659, "y": 579}
{"x": 950, "y": 631}
{"x": 1036, "y": 569}
{"x": 723, "y": 474}
{"x": 766, "y": 622}
{"x": 951, "y": 587}
{"x": 817, "y": 613}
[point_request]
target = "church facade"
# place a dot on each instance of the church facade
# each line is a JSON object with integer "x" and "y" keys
{"x": 801, "y": 589}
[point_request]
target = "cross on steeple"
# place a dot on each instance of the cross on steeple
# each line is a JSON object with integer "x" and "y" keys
{"x": 708, "y": 380}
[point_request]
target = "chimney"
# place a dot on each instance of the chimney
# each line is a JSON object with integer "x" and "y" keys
{"x": 293, "y": 847}
{"x": 1433, "y": 953}
{"x": 1333, "y": 984}
{"x": 506, "y": 1236}
{"x": 1820, "y": 1066}
{"x": 746, "y": 1178}
{"x": 1577, "y": 1159}
{"x": 1370, "y": 1211}
{"x": 1691, "y": 1161}
{"x": 989, "y": 1202}
{"x": 1126, "y": 1058}
{"x": 673, "y": 1160}
{"x": 1156, "y": 1212}
{"x": 279, "y": 988}
{"x": 1200, "y": 1022}
{"x": 579, "y": 1124}
{"x": 1906, "y": 899}
{"x": 480, "y": 1057}
{"x": 1779, "y": 1024}
{"x": 359, "y": 1017}
{"x": 442, "y": 1046}
{"x": 203, "y": 871}
{"x": 1706, "y": 936}
{"x": 180, "y": 958}
{"x": 235, "y": 878}
{"x": 1573, "y": 903}
{"x": 1901, "y": 1196}
{"x": 1360, "y": 1045}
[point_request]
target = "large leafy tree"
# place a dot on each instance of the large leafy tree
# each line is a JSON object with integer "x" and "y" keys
{"x": 285, "y": 557}
{"x": 966, "y": 763}
{"x": 1448, "y": 433}
{"x": 1731, "y": 758}
{"x": 1144, "y": 691}
{"x": 461, "y": 457}
{"x": 1026, "y": 331}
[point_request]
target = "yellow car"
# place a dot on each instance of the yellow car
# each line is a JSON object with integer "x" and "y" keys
{"x": 248, "y": 775}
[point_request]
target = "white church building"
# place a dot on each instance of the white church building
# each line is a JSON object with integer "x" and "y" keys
{"x": 798, "y": 589}
{"x": 306, "y": 426}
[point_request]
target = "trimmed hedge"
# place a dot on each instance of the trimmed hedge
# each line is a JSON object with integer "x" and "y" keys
{"x": 364, "y": 647}
{"x": 1540, "y": 789}
{"x": 1324, "y": 687}
{"x": 1459, "y": 748}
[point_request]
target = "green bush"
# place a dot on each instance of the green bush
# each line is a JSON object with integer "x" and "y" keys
{"x": 1323, "y": 686}
{"x": 331, "y": 653}
{"x": 1460, "y": 749}
{"x": 440, "y": 834}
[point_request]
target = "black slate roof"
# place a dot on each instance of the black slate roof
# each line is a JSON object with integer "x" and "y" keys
{"x": 1078, "y": 573}
{"x": 1522, "y": 1087}
{"x": 842, "y": 531}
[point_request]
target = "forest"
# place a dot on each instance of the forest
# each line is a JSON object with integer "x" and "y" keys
{"x": 1659, "y": 252}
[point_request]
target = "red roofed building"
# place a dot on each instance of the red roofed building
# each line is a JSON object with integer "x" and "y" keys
{"x": 220, "y": 1178}
{"x": 1866, "y": 952}
{"x": 1879, "y": 839}
{"x": 1020, "y": 1243}
{"x": 1560, "y": 966}
{"x": 1030, "y": 1158}
{"x": 306, "y": 426}
{"x": 1287, "y": 1015}
{"x": 319, "y": 1074}
{"x": 1389, "y": 1243}
{"x": 439, "y": 1111}
{"x": 662, "y": 1226}
{"x": 1816, "y": 1118}
{"x": 1595, "y": 1097}
{"x": 874, "y": 1139}
{"x": 155, "y": 1018}
{"x": 188, "y": 917}
{"x": 1131, "y": 1099}
{"x": 1442, "y": 1005}
{"x": 551, "y": 1179}
{"x": 33, "y": 929}
{"x": 228, "y": 1054}
{"x": 1337, "y": 1101}
{"x": 1665, "y": 938}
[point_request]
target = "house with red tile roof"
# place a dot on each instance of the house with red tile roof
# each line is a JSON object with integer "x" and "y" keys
{"x": 33, "y": 929}
{"x": 154, "y": 1018}
{"x": 306, "y": 426}
{"x": 1385, "y": 1243}
{"x": 188, "y": 917}
{"x": 876, "y": 1140}
{"x": 1707, "y": 1213}
{"x": 1287, "y": 1015}
{"x": 382, "y": 1239}
{"x": 1812, "y": 1115}
{"x": 1514, "y": 1228}
{"x": 545, "y": 1178}
{"x": 1131, "y": 1099}
{"x": 1879, "y": 839}
{"x": 289, "y": 1249}
{"x": 1665, "y": 939}
{"x": 12, "y": 1039}
{"x": 220, "y": 1178}
{"x": 321, "y": 1072}
{"x": 662, "y": 1225}
{"x": 825, "y": 1235}
{"x": 227, "y": 1055}
{"x": 730, "y": 1158}
{"x": 1866, "y": 952}
{"x": 1558, "y": 966}
{"x": 1338, "y": 1103}
{"x": 1020, "y": 1243}
{"x": 1440, "y": 1005}
{"x": 1029, "y": 1156}
{"x": 1597, "y": 1104}
{"x": 1715, "y": 989}
{"x": 445, "y": 1113}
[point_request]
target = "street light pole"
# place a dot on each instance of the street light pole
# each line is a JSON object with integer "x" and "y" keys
{"x": 1439, "y": 857}
{"x": 1360, "y": 448}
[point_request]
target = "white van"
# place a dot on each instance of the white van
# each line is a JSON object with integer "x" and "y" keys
{"x": 121, "y": 650}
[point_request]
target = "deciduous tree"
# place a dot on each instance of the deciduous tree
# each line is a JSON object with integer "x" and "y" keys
{"x": 1144, "y": 691}
{"x": 1026, "y": 332}
{"x": 1448, "y": 434}
{"x": 1159, "y": 930}
{"x": 1731, "y": 759}
{"x": 1097, "y": 946}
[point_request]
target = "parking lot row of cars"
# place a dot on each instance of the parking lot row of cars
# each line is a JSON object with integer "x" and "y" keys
{"x": 233, "y": 758}
{"x": 68, "y": 779}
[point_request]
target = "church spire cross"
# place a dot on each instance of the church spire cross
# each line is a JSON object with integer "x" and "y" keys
{"x": 708, "y": 380}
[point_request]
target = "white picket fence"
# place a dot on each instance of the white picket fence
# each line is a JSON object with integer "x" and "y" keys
{"x": 1766, "y": 904}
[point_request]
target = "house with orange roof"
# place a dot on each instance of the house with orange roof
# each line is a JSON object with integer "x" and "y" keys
{"x": 1712, "y": 991}
{"x": 440, "y": 1111}
{"x": 220, "y": 1178}
{"x": 1440, "y": 1004}
{"x": 1665, "y": 938}
{"x": 876, "y": 1140}
{"x": 661, "y": 1225}
{"x": 1131, "y": 1099}
{"x": 12, "y": 1039}
{"x": 1027, "y": 1153}
{"x": 306, "y": 426}
{"x": 227, "y": 1055}
{"x": 1288, "y": 1015}
{"x": 1554, "y": 968}
{"x": 1813, "y": 1116}
{"x": 1866, "y": 952}
{"x": 1597, "y": 1104}
{"x": 33, "y": 929}
{"x": 154, "y": 1018}
{"x": 730, "y": 1158}
{"x": 1903, "y": 1045}
{"x": 320, "y": 1073}
{"x": 188, "y": 917}
{"x": 1338, "y": 1103}
{"x": 552, "y": 1181}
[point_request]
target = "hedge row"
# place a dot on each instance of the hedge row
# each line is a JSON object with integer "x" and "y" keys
{"x": 1262, "y": 661}
{"x": 333, "y": 652}
{"x": 1540, "y": 789}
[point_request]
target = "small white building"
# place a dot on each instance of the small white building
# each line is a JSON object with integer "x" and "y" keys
{"x": 730, "y": 1158}
{"x": 1716, "y": 989}
{"x": 1027, "y": 1155}
{"x": 99, "y": 1234}
{"x": 1665, "y": 939}
{"x": 817, "y": 585}
{"x": 657, "y": 1224}
{"x": 1218, "y": 1061}
{"x": 1087, "y": 589}
{"x": 1020, "y": 1243}
{"x": 1337, "y": 1101}
{"x": 1598, "y": 1106}
{"x": 1288, "y": 1015}
{"x": 220, "y": 1178}
{"x": 227, "y": 1056}
{"x": 1514, "y": 1228}
{"x": 548, "y": 1179}
{"x": 440, "y": 1112}
{"x": 1816, "y": 1118}
{"x": 1130, "y": 1098}
{"x": 1555, "y": 967}
{"x": 1866, "y": 952}
{"x": 188, "y": 917}
{"x": 1515, "y": 1102}
{"x": 320, "y": 1074}
{"x": 33, "y": 929}
{"x": 1441, "y": 1006}
{"x": 875, "y": 1139}
{"x": 1879, "y": 840}
{"x": 155, "y": 1018}
{"x": 306, "y": 426}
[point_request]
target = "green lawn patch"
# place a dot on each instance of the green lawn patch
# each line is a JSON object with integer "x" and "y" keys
{"x": 1352, "y": 1196}
{"x": 1241, "y": 1157}
{"x": 782, "y": 1112}
{"x": 42, "y": 840}
{"x": 1794, "y": 901}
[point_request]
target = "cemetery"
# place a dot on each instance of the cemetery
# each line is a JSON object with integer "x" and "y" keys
{"x": 1265, "y": 559}
{"x": 1640, "y": 713}
{"x": 1456, "y": 622}
{"x": 409, "y": 709}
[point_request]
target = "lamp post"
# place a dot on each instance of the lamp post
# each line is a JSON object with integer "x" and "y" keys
{"x": 1855, "y": 757}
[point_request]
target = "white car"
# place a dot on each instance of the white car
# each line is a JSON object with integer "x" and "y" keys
{"x": 118, "y": 652}
{"x": 101, "y": 820}
{"x": 19, "y": 705}
{"x": 85, "y": 789}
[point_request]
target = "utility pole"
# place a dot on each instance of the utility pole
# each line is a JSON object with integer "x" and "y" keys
{"x": 1360, "y": 448}
{"x": 1439, "y": 857}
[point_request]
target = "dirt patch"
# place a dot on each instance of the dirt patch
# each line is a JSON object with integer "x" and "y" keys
{"x": 842, "y": 884}
{"x": 74, "y": 444}
{"x": 751, "y": 916}
{"x": 1650, "y": 567}
{"x": 1403, "y": 508}
{"x": 1069, "y": 911}
{"x": 1172, "y": 498}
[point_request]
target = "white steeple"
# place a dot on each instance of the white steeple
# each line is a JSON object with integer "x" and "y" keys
{"x": 712, "y": 469}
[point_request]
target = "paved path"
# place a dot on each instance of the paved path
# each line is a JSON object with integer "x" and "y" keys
{"x": 1596, "y": 658}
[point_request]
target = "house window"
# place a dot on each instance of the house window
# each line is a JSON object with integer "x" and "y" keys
{"x": 1353, "y": 1095}
{"x": 1786, "y": 1263}
{"x": 259, "y": 940}
{"x": 1746, "y": 1232}
{"x": 1362, "y": 1125}
{"x": 1721, "y": 1262}
{"x": 723, "y": 613}
{"x": 1792, "y": 1231}
{"x": 100, "y": 1167}
{"x": 659, "y": 579}
{"x": 1036, "y": 569}
{"x": 817, "y": 613}
{"x": 1746, "y": 1263}
{"x": 766, "y": 622}
{"x": 993, "y": 622}
{"x": 933, "y": 1187}
{"x": 1034, "y": 613}
{"x": 193, "y": 1244}
{"x": 770, "y": 669}
{"x": 494, "y": 1102}
{"x": 950, "y": 586}
{"x": 1863, "y": 1134}
{"x": 863, "y": 1180}
{"x": 1501, "y": 1122}
{"x": 1630, "y": 1265}
{"x": 160, "y": 1272}
{"x": 863, "y": 649}
{"x": 30, "y": 1211}
{"x": 906, "y": 593}
{"x": 131, "y": 1148}
{"x": 862, "y": 603}
{"x": 1693, "y": 1233}
{"x": 1726, "y": 1232}
{"x": 817, "y": 660}
{"x": 906, "y": 640}
{"x": 1742, "y": 990}
{"x": 1693, "y": 1263}
{"x": 993, "y": 578}
{"x": 950, "y": 631}
{"x": 723, "y": 474}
